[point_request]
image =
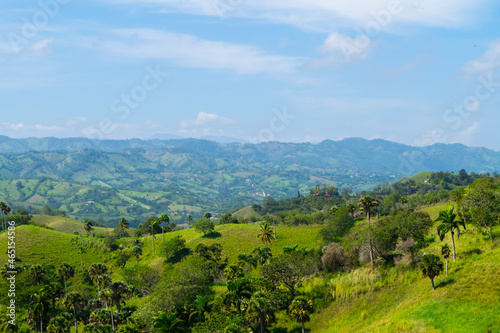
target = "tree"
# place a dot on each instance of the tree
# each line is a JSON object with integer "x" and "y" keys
{"x": 37, "y": 273}
{"x": 300, "y": 309}
{"x": 153, "y": 224}
{"x": 66, "y": 271}
{"x": 58, "y": 324}
{"x": 445, "y": 252}
{"x": 449, "y": 224}
{"x": 137, "y": 251}
{"x": 260, "y": 310}
{"x": 122, "y": 226}
{"x": 173, "y": 247}
{"x": 262, "y": 255}
{"x": 431, "y": 265}
{"x": 95, "y": 272}
{"x": 481, "y": 204}
{"x": 4, "y": 209}
{"x": 237, "y": 291}
{"x": 266, "y": 233}
{"x": 73, "y": 301}
{"x": 289, "y": 269}
{"x": 39, "y": 305}
{"x": 88, "y": 227}
{"x": 198, "y": 308}
{"x": 403, "y": 201}
{"x": 189, "y": 218}
{"x": 163, "y": 219}
{"x": 207, "y": 215}
{"x": 167, "y": 323}
{"x": 118, "y": 290}
{"x": 351, "y": 208}
{"x": 204, "y": 225}
{"x": 367, "y": 204}
{"x": 106, "y": 296}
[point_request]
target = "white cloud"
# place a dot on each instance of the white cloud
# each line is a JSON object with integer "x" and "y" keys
{"x": 328, "y": 15}
{"x": 490, "y": 60}
{"x": 41, "y": 47}
{"x": 204, "y": 119}
{"x": 191, "y": 51}
{"x": 467, "y": 136}
{"x": 30, "y": 128}
{"x": 338, "y": 50}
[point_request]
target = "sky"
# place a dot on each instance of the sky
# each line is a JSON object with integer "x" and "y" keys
{"x": 417, "y": 72}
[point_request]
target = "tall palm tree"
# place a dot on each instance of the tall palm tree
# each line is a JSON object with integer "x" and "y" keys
{"x": 39, "y": 305}
{"x": 299, "y": 310}
{"x": 137, "y": 251}
{"x": 95, "y": 272}
{"x": 260, "y": 310}
{"x": 4, "y": 209}
{"x": 431, "y": 265}
{"x": 81, "y": 250}
{"x": 73, "y": 301}
{"x": 37, "y": 273}
{"x": 445, "y": 252}
{"x": 88, "y": 227}
{"x": 122, "y": 225}
{"x": 119, "y": 290}
{"x": 105, "y": 296}
{"x": 449, "y": 224}
{"x": 367, "y": 204}
{"x": 163, "y": 219}
{"x": 189, "y": 218}
{"x": 153, "y": 225}
{"x": 247, "y": 260}
{"x": 66, "y": 271}
{"x": 237, "y": 291}
{"x": 167, "y": 323}
{"x": 266, "y": 233}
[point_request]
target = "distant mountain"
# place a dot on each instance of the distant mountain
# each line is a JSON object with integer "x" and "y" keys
{"x": 139, "y": 178}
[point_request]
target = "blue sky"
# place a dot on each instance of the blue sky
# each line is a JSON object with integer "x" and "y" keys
{"x": 412, "y": 71}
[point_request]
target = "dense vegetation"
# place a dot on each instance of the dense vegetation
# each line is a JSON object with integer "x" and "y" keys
{"x": 335, "y": 262}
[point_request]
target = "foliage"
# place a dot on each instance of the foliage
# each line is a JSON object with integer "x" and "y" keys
{"x": 204, "y": 225}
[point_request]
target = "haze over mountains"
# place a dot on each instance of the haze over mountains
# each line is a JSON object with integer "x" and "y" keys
{"x": 140, "y": 178}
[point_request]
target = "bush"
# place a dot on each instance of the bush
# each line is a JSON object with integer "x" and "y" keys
{"x": 335, "y": 259}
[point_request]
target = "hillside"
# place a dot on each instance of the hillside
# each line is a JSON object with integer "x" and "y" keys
{"x": 109, "y": 179}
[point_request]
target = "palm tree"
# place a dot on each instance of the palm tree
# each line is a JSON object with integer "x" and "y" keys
{"x": 5, "y": 209}
{"x": 105, "y": 296}
{"x": 82, "y": 251}
{"x": 199, "y": 307}
{"x": 39, "y": 305}
{"x": 299, "y": 310}
{"x": 238, "y": 290}
{"x": 119, "y": 290}
{"x": 367, "y": 204}
{"x": 122, "y": 225}
{"x": 66, "y": 271}
{"x": 88, "y": 227}
{"x": 57, "y": 324}
{"x": 266, "y": 233}
{"x": 37, "y": 272}
{"x": 403, "y": 201}
{"x": 351, "y": 208}
{"x": 262, "y": 255}
{"x": 137, "y": 251}
{"x": 247, "y": 259}
{"x": 163, "y": 219}
{"x": 445, "y": 251}
{"x": 431, "y": 265}
{"x": 449, "y": 224}
{"x": 153, "y": 225}
{"x": 167, "y": 323}
{"x": 95, "y": 272}
{"x": 189, "y": 218}
{"x": 260, "y": 310}
{"x": 72, "y": 301}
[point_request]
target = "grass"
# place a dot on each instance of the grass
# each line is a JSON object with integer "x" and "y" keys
{"x": 246, "y": 212}
{"x": 66, "y": 225}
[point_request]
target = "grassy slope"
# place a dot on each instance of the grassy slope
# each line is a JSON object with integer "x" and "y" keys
{"x": 421, "y": 176}
{"x": 466, "y": 301}
{"x": 246, "y": 212}
{"x": 65, "y": 224}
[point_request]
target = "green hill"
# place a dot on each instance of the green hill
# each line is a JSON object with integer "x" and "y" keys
{"x": 66, "y": 225}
